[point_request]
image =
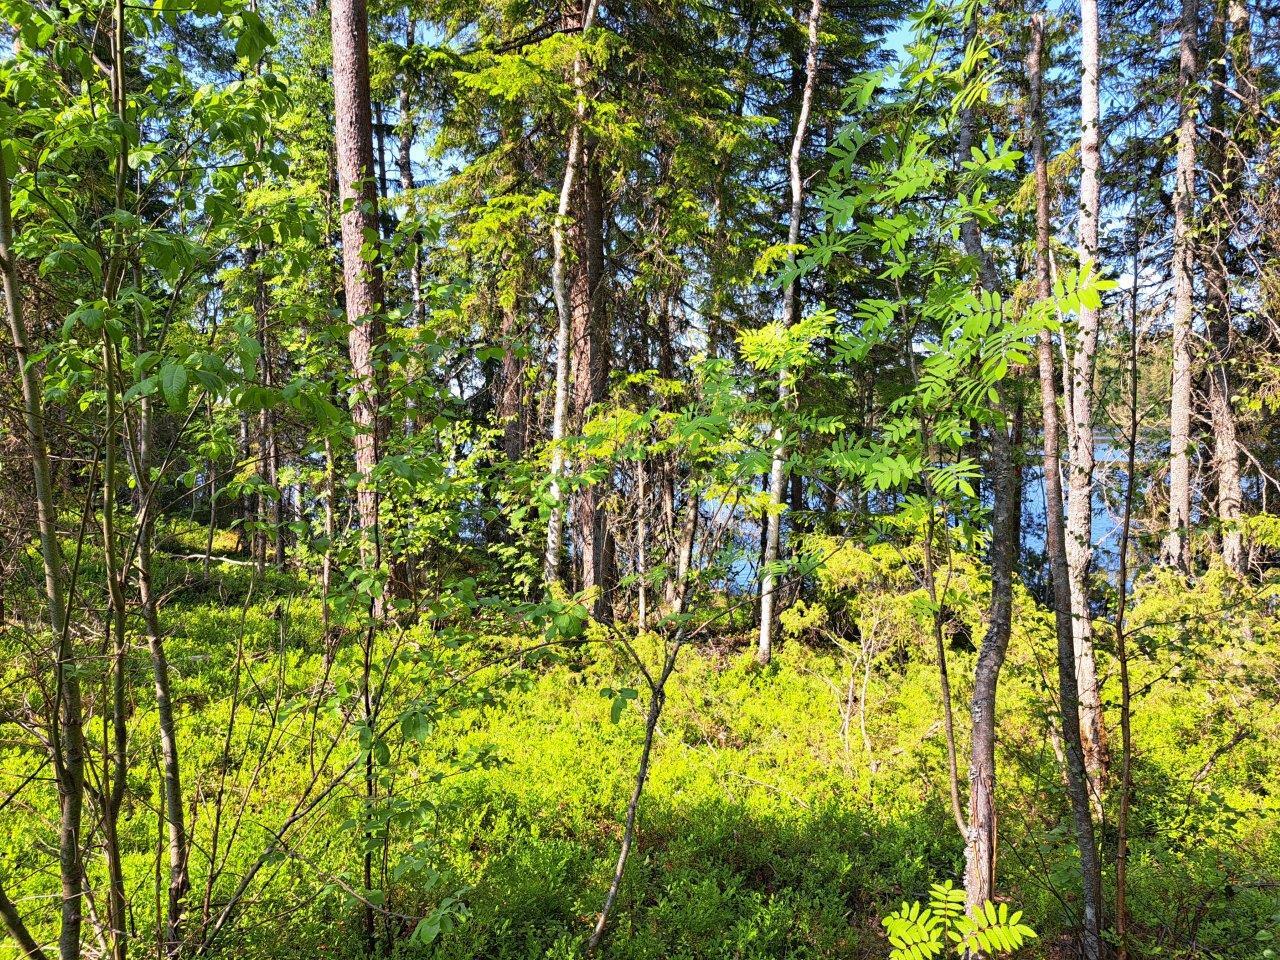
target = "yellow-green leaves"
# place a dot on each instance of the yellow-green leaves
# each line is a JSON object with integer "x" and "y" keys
{"x": 776, "y": 346}
{"x": 1080, "y": 287}
{"x": 923, "y": 932}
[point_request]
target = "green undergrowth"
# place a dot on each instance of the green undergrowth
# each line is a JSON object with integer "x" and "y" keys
{"x": 787, "y": 810}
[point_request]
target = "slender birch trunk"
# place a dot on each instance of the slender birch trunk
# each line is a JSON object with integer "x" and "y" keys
{"x": 1079, "y": 532}
{"x": 560, "y": 293}
{"x": 791, "y": 296}
{"x": 405, "y": 163}
{"x": 1055, "y": 540}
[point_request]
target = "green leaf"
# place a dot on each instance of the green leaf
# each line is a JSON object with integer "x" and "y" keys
{"x": 174, "y": 383}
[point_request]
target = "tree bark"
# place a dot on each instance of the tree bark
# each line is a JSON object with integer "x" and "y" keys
{"x": 1055, "y": 540}
{"x": 362, "y": 280}
{"x": 589, "y": 352}
{"x": 1079, "y": 532}
{"x": 1176, "y": 551}
{"x": 66, "y": 718}
{"x": 511, "y": 410}
{"x": 791, "y": 299}
{"x": 405, "y": 163}
{"x": 171, "y": 768}
{"x": 1223, "y": 172}
{"x": 17, "y": 929}
{"x": 560, "y": 289}
{"x": 980, "y": 836}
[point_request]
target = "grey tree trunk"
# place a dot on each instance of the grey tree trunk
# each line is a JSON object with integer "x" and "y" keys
{"x": 980, "y": 835}
{"x": 1055, "y": 540}
{"x": 1176, "y": 551}
{"x": 405, "y": 164}
{"x": 171, "y": 768}
{"x": 1079, "y": 533}
{"x": 1223, "y": 169}
{"x": 791, "y": 296}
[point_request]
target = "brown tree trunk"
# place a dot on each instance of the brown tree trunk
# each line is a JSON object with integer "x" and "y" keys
{"x": 66, "y": 717}
{"x": 1176, "y": 551}
{"x": 511, "y": 410}
{"x": 108, "y": 793}
{"x": 590, "y": 353}
{"x": 1055, "y": 541}
{"x": 17, "y": 929}
{"x": 362, "y": 281}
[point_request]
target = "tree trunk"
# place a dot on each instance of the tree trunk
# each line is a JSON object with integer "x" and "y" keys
{"x": 657, "y": 697}
{"x": 1122, "y": 602}
{"x": 1223, "y": 172}
{"x": 109, "y": 789}
{"x": 1055, "y": 541}
{"x": 791, "y": 299}
{"x": 1177, "y": 545}
{"x": 1079, "y": 532}
{"x": 362, "y": 281}
{"x": 589, "y": 352}
{"x": 171, "y": 768}
{"x": 405, "y": 162}
{"x": 981, "y": 840}
{"x": 560, "y": 289}
{"x": 511, "y": 403}
{"x": 1242, "y": 60}
{"x": 17, "y": 929}
{"x": 66, "y": 716}
{"x": 980, "y": 836}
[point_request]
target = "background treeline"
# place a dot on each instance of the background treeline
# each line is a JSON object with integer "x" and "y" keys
{"x": 655, "y": 479}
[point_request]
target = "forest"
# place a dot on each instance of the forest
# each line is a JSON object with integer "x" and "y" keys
{"x": 638, "y": 479}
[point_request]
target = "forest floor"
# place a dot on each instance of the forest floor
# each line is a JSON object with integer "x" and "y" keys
{"x": 787, "y": 810}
